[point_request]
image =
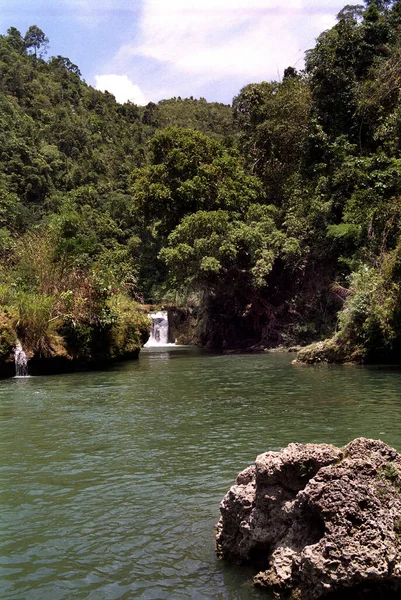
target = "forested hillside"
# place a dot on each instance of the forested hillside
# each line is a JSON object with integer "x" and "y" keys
{"x": 278, "y": 217}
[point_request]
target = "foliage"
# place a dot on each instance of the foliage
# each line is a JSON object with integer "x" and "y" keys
{"x": 209, "y": 247}
{"x": 35, "y": 40}
{"x": 254, "y": 209}
{"x": 8, "y": 335}
{"x": 371, "y": 316}
{"x": 273, "y": 119}
{"x": 61, "y": 310}
{"x": 188, "y": 172}
{"x": 210, "y": 118}
{"x": 130, "y": 328}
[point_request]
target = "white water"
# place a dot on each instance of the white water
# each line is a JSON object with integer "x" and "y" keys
{"x": 21, "y": 361}
{"x": 158, "y": 330}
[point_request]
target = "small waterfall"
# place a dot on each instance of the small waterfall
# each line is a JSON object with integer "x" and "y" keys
{"x": 21, "y": 361}
{"x": 158, "y": 330}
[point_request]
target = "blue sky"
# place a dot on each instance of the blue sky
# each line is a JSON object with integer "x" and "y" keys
{"x": 147, "y": 50}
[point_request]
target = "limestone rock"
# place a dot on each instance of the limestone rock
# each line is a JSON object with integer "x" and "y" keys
{"x": 318, "y": 521}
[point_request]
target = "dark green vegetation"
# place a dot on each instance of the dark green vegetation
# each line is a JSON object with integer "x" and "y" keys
{"x": 271, "y": 216}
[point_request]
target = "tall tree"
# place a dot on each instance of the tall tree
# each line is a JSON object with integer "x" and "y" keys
{"x": 36, "y": 41}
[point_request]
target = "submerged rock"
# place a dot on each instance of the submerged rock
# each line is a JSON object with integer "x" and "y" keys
{"x": 318, "y": 521}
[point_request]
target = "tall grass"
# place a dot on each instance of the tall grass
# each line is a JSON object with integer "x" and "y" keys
{"x": 37, "y": 323}
{"x": 43, "y": 293}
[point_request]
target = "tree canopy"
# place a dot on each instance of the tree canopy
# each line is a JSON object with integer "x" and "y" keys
{"x": 259, "y": 210}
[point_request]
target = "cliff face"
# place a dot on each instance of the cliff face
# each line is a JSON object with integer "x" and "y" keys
{"x": 318, "y": 521}
{"x": 182, "y": 324}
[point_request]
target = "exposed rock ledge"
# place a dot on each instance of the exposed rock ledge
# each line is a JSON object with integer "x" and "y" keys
{"x": 318, "y": 521}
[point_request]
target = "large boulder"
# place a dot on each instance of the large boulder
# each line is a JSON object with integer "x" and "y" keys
{"x": 318, "y": 521}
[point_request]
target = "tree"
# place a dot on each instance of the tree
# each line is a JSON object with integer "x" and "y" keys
{"x": 351, "y": 12}
{"x": 215, "y": 249}
{"x": 235, "y": 263}
{"x": 290, "y": 73}
{"x": 189, "y": 172}
{"x": 151, "y": 115}
{"x": 64, "y": 63}
{"x": 15, "y": 38}
{"x": 382, "y": 5}
{"x": 273, "y": 119}
{"x": 36, "y": 41}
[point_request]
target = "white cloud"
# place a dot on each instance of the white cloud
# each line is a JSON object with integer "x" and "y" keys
{"x": 203, "y": 42}
{"x": 248, "y": 37}
{"x": 121, "y": 87}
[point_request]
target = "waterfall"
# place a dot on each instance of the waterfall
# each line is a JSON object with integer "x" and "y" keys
{"x": 158, "y": 330}
{"x": 21, "y": 361}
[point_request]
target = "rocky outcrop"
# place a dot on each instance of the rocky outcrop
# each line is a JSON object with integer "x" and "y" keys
{"x": 318, "y": 521}
{"x": 327, "y": 351}
{"x": 333, "y": 350}
{"x": 182, "y": 323}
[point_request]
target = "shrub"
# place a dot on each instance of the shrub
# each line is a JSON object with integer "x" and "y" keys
{"x": 369, "y": 326}
{"x": 130, "y": 329}
{"x": 8, "y": 336}
{"x": 37, "y": 324}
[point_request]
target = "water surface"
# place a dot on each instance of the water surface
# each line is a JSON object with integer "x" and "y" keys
{"x": 112, "y": 480}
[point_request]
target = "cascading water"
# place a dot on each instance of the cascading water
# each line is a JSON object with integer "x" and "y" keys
{"x": 21, "y": 361}
{"x": 158, "y": 330}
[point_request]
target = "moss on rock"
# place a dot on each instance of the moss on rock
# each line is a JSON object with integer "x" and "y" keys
{"x": 330, "y": 351}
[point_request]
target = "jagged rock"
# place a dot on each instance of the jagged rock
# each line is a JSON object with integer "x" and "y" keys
{"x": 318, "y": 521}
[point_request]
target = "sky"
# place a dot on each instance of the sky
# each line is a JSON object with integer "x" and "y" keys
{"x": 149, "y": 50}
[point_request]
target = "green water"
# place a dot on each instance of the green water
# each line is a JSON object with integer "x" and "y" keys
{"x": 112, "y": 480}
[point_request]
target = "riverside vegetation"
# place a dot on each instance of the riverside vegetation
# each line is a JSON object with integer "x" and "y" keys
{"x": 278, "y": 217}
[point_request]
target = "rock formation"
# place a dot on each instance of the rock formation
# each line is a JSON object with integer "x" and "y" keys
{"x": 318, "y": 521}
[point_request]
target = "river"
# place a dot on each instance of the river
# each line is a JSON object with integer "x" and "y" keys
{"x": 112, "y": 480}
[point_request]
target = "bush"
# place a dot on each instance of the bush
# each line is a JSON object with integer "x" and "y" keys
{"x": 369, "y": 326}
{"x": 37, "y": 324}
{"x": 131, "y": 327}
{"x": 120, "y": 331}
{"x": 8, "y": 336}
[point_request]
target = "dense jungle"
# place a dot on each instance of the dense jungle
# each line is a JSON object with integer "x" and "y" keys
{"x": 275, "y": 221}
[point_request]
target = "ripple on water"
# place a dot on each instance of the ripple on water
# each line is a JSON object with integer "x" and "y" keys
{"x": 112, "y": 480}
